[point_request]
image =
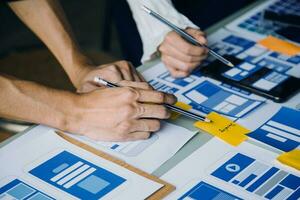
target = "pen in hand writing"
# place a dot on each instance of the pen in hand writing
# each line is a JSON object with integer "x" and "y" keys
{"x": 176, "y": 109}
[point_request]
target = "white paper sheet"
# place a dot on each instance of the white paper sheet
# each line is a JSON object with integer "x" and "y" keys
{"x": 40, "y": 160}
{"x": 220, "y": 171}
{"x": 149, "y": 154}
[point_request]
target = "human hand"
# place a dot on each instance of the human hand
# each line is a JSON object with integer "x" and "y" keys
{"x": 119, "y": 114}
{"x": 181, "y": 57}
{"x": 113, "y": 72}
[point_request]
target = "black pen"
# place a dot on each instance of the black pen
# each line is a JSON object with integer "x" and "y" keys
{"x": 194, "y": 116}
{"x": 187, "y": 36}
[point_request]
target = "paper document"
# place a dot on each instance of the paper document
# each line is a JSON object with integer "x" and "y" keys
{"x": 204, "y": 94}
{"x": 255, "y": 56}
{"x": 252, "y": 23}
{"x": 149, "y": 154}
{"x": 274, "y": 125}
{"x": 220, "y": 171}
{"x": 42, "y": 165}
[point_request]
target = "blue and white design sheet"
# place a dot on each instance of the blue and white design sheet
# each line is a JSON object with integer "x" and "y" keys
{"x": 204, "y": 94}
{"x": 259, "y": 178}
{"x": 254, "y": 55}
{"x": 13, "y": 188}
{"x": 252, "y": 23}
{"x": 77, "y": 176}
{"x": 48, "y": 167}
{"x": 219, "y": 171}
{"x": 275, "y": 125}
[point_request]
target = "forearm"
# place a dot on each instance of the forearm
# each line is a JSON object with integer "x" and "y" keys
{"x": 47, "y": 20}
{"x": 27, "y": 101}
{"x": 151, "y": 30}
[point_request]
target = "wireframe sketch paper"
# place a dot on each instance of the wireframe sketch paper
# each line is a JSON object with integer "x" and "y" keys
{"x": 41, "y": 165}
{"x": 149, "y": 154}
{"x": 220, "y": 171}
{"x": 204, "y": 94}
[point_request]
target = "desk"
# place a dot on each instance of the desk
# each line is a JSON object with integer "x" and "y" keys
{"x": 201, "y": 138}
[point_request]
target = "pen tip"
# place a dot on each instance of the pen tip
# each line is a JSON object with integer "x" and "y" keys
{"x": 207, "y": 120}
{"x": 145, "y": 9}
{"x": 230, "y": 64}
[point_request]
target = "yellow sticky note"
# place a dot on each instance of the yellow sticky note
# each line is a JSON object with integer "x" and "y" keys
{"x": 280, "y": 46}
{"x": 224, "y": 128}
{"x": 181, "y": 105}
{"x": 291, "y": 158}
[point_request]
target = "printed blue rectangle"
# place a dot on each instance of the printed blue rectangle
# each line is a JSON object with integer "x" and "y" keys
{"x": 17, "y": 189}
{"x": 232, "y": 167}
{"x": 281, "y": 131}
{"x": 205, "y": 191}
{"x": 78, "y": 177}
{"x": 291, "y": 181}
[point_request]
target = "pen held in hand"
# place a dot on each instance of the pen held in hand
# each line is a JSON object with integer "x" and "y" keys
{"x": 187, "y": 36}
{"x": 192, "y": 115}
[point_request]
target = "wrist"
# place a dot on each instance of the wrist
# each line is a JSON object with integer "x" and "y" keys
{"x": 76, "y": 65}
{"x": 67, "y": 113}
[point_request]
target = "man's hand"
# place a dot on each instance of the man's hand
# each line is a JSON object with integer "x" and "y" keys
{"x": 113, "y": 72}
{"x": 181, "y": 57}
{"x": 119, "y": 114}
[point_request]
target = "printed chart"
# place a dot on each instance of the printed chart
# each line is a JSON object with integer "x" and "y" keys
{"x": 258, "y": 178}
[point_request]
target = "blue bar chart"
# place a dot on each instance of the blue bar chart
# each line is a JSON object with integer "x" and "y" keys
{"x": 258, "y": 178}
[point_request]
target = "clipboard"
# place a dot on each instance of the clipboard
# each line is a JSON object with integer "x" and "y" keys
{"x": 159, "y": 194}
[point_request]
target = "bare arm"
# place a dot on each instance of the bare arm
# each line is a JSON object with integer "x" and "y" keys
{"x": 28, "y": 101}
{"x": 106, "y": 114}
{"x": 47, "y": 20}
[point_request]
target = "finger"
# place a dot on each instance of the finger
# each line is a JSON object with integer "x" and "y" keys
{"x": 137, "y": 136}
{"x": 127, "y": 74}
{"x": 176, "y": 73}
{"x": 140, "y": 85}
{"x": 182, "y": 45}
{"x": 113, "y": 73}
{"x": 197, "y": 34}
{"x": 169, "y": 50}
{"x": 151, "y": 96}
{"x": 140, "y": 125}
{"x": 136, "y": 75}
{"x": 152, "y": 111}
{"x": 179, "y": 65}
{"x": 88, "y": 87}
